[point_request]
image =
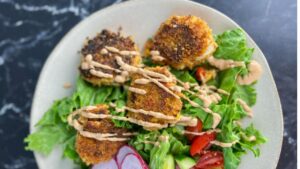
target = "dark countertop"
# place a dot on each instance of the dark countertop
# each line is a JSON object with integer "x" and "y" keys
{"x": 30, "y": 29}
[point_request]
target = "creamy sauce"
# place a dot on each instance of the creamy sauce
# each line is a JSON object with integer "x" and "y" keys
{"x": 155, "y": 143}
{"x": 255, "y": 72}
{"x": 142, "y": 81}
{"x": 221, "y": 91}
{"x": 100, "y": 74}
{"x": 223, "y": 64}
{"x": 176, "y": 88}
{"x": 221, "y": 144}
{"x": 155, "y": 56}
{"x": 201, "y": 133}
{"x": 188, "y": 121}
{"x": 104, "y": 51}
{"x": 97, "y": 136}
{"x": 120, "y": 79}
{"x": 137, "y": 90}
{"x": 238, "y": 123}
{"x": 151, "y": 113}
{"x": 141, "y": 71}
{"x": 246, "y": 107}
{"x": 216, "y": 119}
{"x": 131, "y": 120}
{"x": 121, "y": 52}
{"x": 208, "y": 94}
{"x": 67, "y": 85}
{"x": 163, "y": 138}
{"x": 162, "y": 86}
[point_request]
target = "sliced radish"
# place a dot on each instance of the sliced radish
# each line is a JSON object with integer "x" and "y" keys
{"x": 123, "y": 151}
{"x": 112, "y": 164}
{"x": 133, "y": 161}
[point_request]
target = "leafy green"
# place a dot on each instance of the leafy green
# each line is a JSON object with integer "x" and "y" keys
{"x": 246, "y": 93}
{"x": 159, "y": 153}
{"x": 53, "y": 130}
{"x": 174, "y": 144}
{"x": 232, "y": 45}
{"x": 45, "y": 139}
{"x": 184, "y": 75}
{"x": 228, "y": 78}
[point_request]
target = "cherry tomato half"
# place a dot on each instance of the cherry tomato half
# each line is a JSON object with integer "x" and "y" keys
{"x": 200, "y": 143}
{"x": 197, "y": 128}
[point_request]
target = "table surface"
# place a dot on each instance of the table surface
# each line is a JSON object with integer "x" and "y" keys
{"x": 30, "y": 29}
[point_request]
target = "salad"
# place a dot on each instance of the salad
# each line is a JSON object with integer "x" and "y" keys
{"x": 178, "y": 104}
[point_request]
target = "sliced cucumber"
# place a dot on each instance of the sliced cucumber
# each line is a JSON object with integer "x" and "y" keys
{"x": 169, "y": 162}
{"x": 185, "y": 162}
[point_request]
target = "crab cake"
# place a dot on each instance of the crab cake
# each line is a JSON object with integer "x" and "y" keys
{"x": 102, "y": 49}
{"x": 92, "y": 151}
{"x": 155, "y": 99}
{"x": 181, "y": 41}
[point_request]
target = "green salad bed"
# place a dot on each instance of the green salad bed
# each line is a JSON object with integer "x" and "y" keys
{"x": 53, "y": 129}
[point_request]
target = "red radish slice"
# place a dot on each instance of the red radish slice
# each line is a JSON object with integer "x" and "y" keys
{"x": 112, "y": 164}
{"x": 123, "y": 151}
{"x": 132, "y": 161}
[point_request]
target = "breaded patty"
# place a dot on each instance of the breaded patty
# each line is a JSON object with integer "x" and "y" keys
{"x": 156, "y": 99}
{"x": 92, "y": 151}
{"x": 182, "y": 41}
{"x": 96, "y": 45}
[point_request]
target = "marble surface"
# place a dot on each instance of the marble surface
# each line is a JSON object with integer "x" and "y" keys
{"x": 30, "y": 29}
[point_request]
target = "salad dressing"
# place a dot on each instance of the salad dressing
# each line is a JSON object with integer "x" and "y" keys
{"x": 255, "y": 72}
{"x": 201, "y": 133}
{"x": 137, "y": 90}
{"x": 250, "y": 138}
{"x": 208, "y": 94}
{"x": 155, "y": 56}
{"x": 151, "y": 113}
{"x": 223, "y": 64}
{"x": 142, "y": 81}
{"x": 155, "y": 143}
{"x": 246, "y": 107}
{"x": 224, "y": 145}
{"x": 121, "y": 52}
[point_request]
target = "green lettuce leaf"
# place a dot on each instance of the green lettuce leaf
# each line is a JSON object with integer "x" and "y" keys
{"x": 53, "y": 129}
{"x": 45, "y": 139}
{"x": 184, "y": 75}
{"x": 246, "y": 93}
{"x": 232, "y": 45}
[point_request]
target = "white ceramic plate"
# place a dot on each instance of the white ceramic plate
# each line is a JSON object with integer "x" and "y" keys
{"x": 141, "y": 18}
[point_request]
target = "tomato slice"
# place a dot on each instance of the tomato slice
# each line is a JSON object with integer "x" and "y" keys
{"x": 200, "y": 72}
{"x": 202, "y": 142}
{"x": 211, "y": 160}
{"x": 204, "y": 75}
{"x": 197, "y": 128}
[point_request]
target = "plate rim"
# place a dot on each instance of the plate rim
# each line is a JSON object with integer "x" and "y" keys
{"x": 123, "y": 4}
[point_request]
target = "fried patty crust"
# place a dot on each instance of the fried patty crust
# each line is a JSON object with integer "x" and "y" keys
{"x": 92, "y": 151}
{"x": 183, "y": 42}
{"x": 156, "y": 99}
{"x": 94, "y": 47}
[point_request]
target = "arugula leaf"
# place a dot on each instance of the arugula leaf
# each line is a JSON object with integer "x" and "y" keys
{"x": 232, "y": 45}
